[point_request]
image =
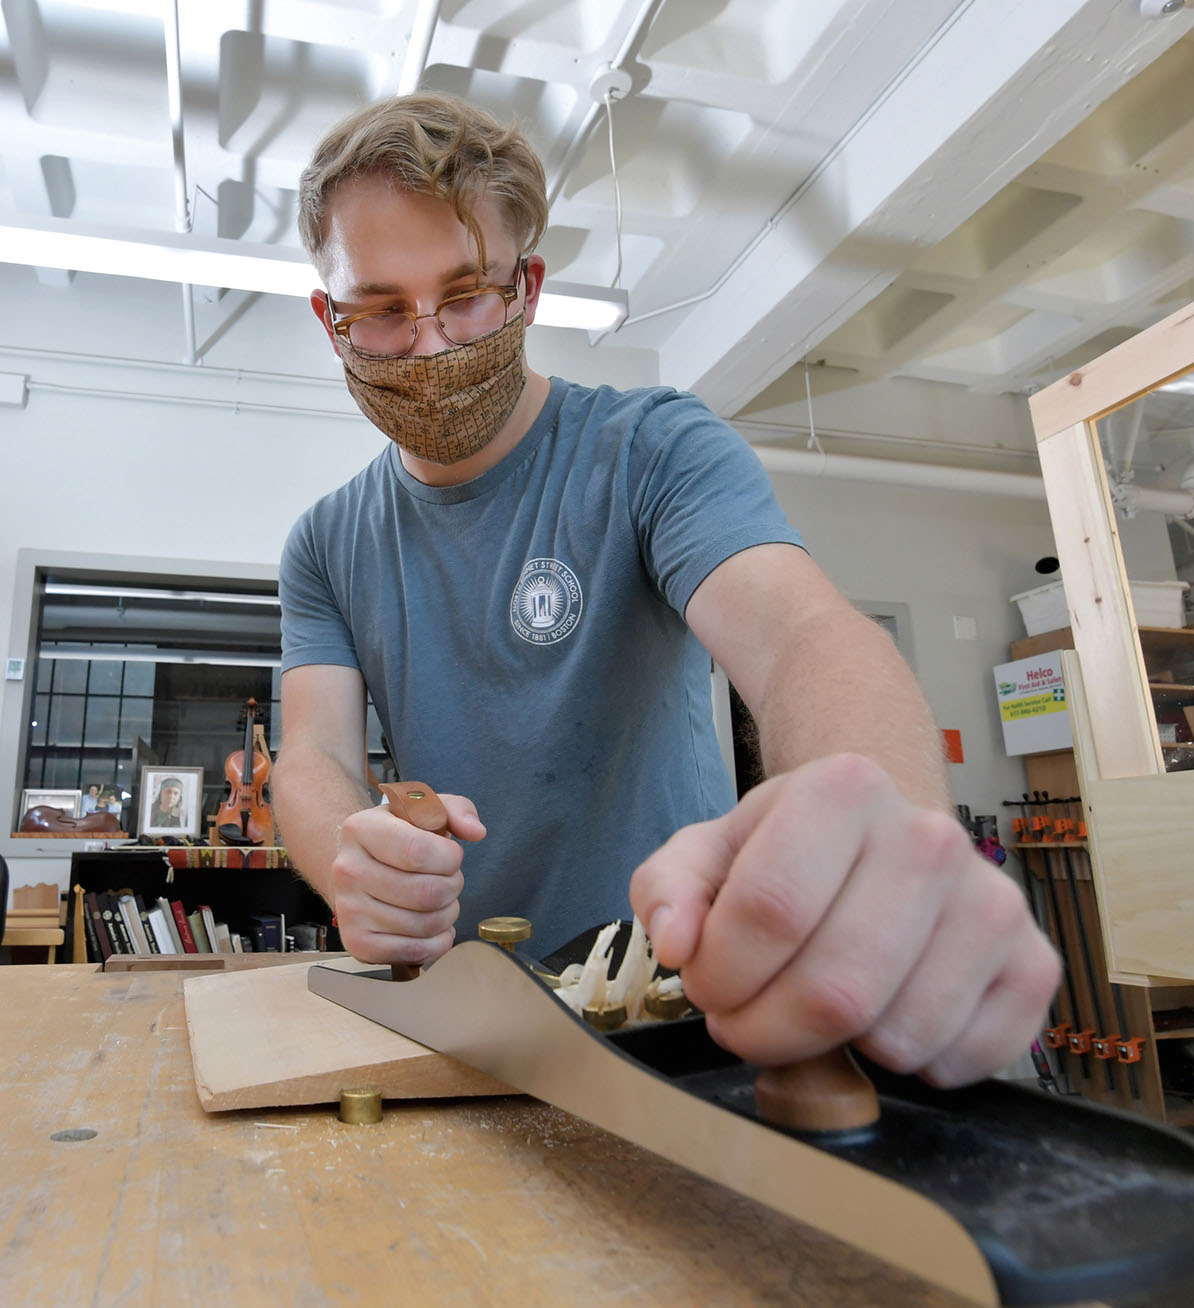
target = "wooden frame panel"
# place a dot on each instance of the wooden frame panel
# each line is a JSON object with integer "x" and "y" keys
{"x": 1146, "y": 870}
{"x": 1141, "y": 364}
{"x": 1141, "y": 844}
{"x": 1139, "y": 837}
{"x": 1101, "y": 613}
{"x": 1100, "y": 604}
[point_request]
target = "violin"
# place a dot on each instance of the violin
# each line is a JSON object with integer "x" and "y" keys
{"x": 245, "y": 817}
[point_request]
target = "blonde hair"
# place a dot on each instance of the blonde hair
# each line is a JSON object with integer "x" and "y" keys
{"x": 429, "y": 144}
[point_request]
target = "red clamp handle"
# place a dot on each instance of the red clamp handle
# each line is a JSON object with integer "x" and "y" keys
{"x": 1106, "y": 1047}
{"x": 1080, "y": 1041}
{"x": 1056, "y": 1037}
{"x": 1128, "y": 1051}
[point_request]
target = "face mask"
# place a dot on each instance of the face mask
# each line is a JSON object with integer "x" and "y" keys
{"x": 446, "y": 406}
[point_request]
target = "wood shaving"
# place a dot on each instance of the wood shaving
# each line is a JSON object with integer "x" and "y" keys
{"x": 590, "y": 982}
{"x": 629, "y": 987}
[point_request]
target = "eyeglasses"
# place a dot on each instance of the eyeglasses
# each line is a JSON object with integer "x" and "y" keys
{"x": 391, "y": 333}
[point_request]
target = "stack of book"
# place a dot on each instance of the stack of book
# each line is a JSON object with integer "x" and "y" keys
{"x": 121, "y": 922}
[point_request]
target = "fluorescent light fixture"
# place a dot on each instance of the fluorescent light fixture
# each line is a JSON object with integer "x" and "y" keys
{"x": 591, "y": 308}
{"x": 160, "y": 257}
{"x": 244, "y": 266}
{"x": 134, "y": 592}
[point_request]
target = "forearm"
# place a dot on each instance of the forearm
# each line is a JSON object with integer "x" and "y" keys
{"x": 312, "y": 794}
{"x": 853, "y": 693}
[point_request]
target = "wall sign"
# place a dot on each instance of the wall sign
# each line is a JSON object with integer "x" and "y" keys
{"x": 1032, "y": 705}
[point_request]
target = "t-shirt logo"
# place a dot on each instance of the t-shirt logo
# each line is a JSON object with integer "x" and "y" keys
{"x": 546, "y": 603}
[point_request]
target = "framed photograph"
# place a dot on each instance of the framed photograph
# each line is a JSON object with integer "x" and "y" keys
{"x": 170, "y": 801}
{"x": 69, "y": 801}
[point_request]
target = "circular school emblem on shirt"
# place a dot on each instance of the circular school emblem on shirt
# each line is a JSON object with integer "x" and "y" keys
{"x": 546, "y": 603}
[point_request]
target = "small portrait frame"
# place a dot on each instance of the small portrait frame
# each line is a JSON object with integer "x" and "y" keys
{"x": 179, "y": 811}
{"x": 69, "y": 801}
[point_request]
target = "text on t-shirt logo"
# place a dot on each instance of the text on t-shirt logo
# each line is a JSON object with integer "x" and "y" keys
{"x": 546, "y": 603}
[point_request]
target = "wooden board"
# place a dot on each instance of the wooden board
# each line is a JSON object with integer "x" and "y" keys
{"x": 213, "y": 962}
{"x": 1154, "y": 356}
{"x": 1102, "y": 618}
{"x": 1144, "y": 847}
{"x": 259, "y": 1038}
{"x": 1140, "y": 836}
{"x": 477, "y": 1203}
{"x": 35, "y": 920}
{"x": 17, "y": 936}
{"x": 68, "y": 835}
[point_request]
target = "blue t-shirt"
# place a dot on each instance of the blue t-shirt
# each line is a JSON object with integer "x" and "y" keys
{"x": 522, "y": 637}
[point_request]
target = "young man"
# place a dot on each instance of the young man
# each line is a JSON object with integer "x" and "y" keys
{"x": 167, "y": 805}
{"x": 530, "y": 579}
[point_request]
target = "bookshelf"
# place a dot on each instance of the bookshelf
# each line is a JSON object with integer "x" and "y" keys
{"x": 218, "y": 878}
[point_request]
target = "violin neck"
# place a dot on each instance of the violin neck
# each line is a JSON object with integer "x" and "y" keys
{"x": 247, "y": 770}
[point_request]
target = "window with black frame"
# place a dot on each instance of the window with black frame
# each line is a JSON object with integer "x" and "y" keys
{"x": 150, "y": 674}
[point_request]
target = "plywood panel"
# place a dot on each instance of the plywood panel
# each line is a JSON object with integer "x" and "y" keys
{"x": 1144, "y": 838}
{"x": 1125, "y": 870}
{"x": 194, "y": 963}
{"x": 259, "y": 1037}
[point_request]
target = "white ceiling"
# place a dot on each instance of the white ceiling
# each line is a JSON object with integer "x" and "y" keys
{"x": 977, "y": 195}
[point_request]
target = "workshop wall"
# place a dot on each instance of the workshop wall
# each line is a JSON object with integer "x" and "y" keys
{"x": 212, "y": 463}
{"x": 947, "y": 555}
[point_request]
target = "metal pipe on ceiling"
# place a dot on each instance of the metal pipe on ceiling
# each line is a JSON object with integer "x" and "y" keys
{"x": 927, "y": 476}
{"x": 196, "y": 401}
{"x": 1134, "y": 424}
{"x": 182, "y": 211}
{"x": 418, "y": 47}
{"x": 238, "y": 375}
{"x": 190, "y": 344}
{"x": 634, "y": 35}
{"x": 182, "y": 216}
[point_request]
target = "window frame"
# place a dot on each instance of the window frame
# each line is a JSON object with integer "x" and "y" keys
{"x": 32, "y": 566}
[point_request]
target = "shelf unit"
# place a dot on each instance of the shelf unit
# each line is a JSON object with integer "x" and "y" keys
{"x": 1166, "y": 650}
{"x": 235, "y": 883}
{"x": 1136, "y": 795}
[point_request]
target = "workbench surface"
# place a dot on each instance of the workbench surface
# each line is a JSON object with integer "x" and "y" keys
{"x": 497, "y": 1201}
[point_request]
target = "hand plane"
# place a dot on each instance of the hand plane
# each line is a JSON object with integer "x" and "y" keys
{"x": 1001, "y": 1194}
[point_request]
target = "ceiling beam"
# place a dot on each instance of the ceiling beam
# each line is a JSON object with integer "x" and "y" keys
{"x": 1000, "y": 81}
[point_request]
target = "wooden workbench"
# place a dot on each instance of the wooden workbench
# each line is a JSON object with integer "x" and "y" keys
{"x": 462, "y": 1202}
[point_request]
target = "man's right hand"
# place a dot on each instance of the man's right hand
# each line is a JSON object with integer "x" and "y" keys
{"x": 396, "y": 888}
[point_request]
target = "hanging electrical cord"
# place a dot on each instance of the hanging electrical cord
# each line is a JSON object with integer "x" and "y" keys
{"x": 629, "y": 44}
{"x": 814, "y": 444}
{"x": 612, "y": 84}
